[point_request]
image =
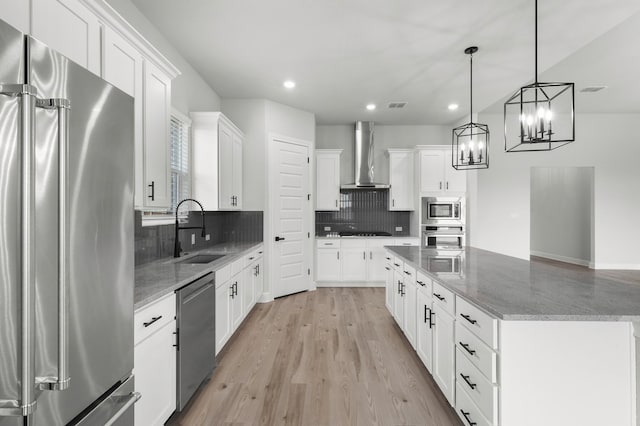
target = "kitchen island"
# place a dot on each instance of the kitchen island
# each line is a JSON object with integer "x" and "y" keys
{"x": 513, "y": 342}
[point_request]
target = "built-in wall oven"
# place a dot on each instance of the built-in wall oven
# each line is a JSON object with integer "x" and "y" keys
{"x": 445, "y": 262}
{"x": 443, "y": 237}
{"x": 442, "y": 211}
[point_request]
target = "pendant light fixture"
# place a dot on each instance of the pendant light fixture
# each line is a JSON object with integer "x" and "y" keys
{"x": 470, "y": 142}
{"x": 539, "y": 116}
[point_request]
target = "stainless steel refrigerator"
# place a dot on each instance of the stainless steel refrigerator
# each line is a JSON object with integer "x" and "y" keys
{"x": 66, "y": 241}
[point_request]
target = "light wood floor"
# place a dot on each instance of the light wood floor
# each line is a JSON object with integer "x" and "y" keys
{"x": 329, "y": 357}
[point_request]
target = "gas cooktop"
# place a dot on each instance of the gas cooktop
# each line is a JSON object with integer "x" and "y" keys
{"x": 364, "y": 234}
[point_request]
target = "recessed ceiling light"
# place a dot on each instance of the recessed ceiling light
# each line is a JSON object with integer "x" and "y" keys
{"x": 289, "y": 84}
{"x": 371, "y": 107}
{"x": 453, "y": 107}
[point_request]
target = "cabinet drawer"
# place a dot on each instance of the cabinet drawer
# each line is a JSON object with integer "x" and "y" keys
{"x": 407, "y": 241}
{"x": 250, "y": 258}
{"x": 481, "y": 324}
{"x": 480, "y": 354}
{"x": 223, "y": 275}
{"x": 397, "y": 264}
{"x": 467, "y": 410}
{"x": 424, "y": 281}
{"x": 151, "y": 318}
{"x": 389, "y": 258}
{"x": 379, "y": 242}
{"x": 320, "y": 243}
{"x": 409, "y": 271}
{"x": 481, "y": 391}
{"x": 444, "y": 298}
{"x": 237, "y": 266}
{"x": 353, "y": 243}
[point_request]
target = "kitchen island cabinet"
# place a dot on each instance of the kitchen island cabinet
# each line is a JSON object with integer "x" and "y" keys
{"x": 513, "y": 331}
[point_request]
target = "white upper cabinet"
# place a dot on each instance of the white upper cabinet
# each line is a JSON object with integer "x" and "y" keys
{"x": 437, "y": 175}
{"x": 16, "y": 14}
{"x": 156, "y": 110}
{"x": 69, "y": 27}
{"x": 328, "y": 179}
{"x": 401, "y": 179}
{"x": 217, "y": 161}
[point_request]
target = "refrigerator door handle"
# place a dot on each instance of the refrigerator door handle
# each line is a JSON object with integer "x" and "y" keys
{"x": 62, "y": 381}
{"x": 26, "y": 95}
{"x": 133, "y": 398}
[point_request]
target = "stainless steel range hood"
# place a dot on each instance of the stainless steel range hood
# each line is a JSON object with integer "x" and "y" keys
{"x": 363, "y": 158}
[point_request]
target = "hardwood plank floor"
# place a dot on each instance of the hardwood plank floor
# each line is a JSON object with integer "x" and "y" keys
{"x": 328, "y": 357}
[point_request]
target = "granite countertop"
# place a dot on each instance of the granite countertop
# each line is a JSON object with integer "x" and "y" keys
{"x": 514, "y": 289}
{"x": 156, "y": 279}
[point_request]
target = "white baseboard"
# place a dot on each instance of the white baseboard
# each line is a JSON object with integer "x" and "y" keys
{"x": 565, "y": 259}
{"x": 621, "y": 266}
{"x": 265, "y": 298}
{"x": 350, "y": 284}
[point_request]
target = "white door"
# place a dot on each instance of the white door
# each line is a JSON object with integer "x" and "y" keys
{"x": 456, "y": 180}
{"x": 398, "y": 300}
{"x": 409, "y": 299}
{"x": 327, "y": 181}
{"x": 225, "y": 147}
{"x": 354, "y": 264}
{"x": 389, "y": 284}
{"x": 223, "y": 315}
{"x": 377, "y": 260}
{"x": 328, "y": 264}
{"x": 424, "y": 333}
{"x": 431, "y": 173}
{"x": 444, "y": 353}
{"x": 401, "y": 179}
{"x": 290, "y": 209}
{"x": 237, "y": 172}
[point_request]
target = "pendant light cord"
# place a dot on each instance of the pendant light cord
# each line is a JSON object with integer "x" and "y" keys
{"x": 471, "y": 87}
{"x": 536, "y": 41}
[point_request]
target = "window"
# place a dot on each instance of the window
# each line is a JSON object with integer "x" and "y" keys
{"x": 180, "y": 145}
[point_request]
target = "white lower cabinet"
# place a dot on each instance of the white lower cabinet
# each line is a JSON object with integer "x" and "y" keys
{"x": 410, "y": 318}
{"x": 398, "y": 300}
{"x": 444, "y": 352}
{"x": 354, "y": 263}
{"x": 238, "y": 287}
{"x": 389, "y": 284}
{"x": 328, "y": 264}
{"x": 424, "y": 331}
{"x": 155, "y": 361}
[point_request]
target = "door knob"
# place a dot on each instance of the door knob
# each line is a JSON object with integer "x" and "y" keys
{"x": 279, "y": 238}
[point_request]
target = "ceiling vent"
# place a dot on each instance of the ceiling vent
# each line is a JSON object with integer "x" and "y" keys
{"x": 397, "y": 105}
{"x": 592, "y": 89}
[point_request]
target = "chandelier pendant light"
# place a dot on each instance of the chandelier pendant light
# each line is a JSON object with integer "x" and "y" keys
{"x": 539, "y": 116}
{"x": 470, "y": 142}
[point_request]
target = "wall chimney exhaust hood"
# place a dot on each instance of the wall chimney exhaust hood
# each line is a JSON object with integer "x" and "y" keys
{"x": 363, "y": 158}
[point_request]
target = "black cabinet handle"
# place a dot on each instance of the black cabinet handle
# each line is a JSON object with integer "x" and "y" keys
{"x": 396, "y": 264}
{"x": 279, "y": 238}
{"x": 439, "y": 297}
{"x": 387, "y": 268}
{"x": 408, "y": 273}
{"x": 153, "y": 319}
{"x": 420, "y": 282}
{"x": 251, "y": 258}
{"x": 431, "y": 315}
{"x": 425, "y": 313}
{"x": 466, "y": 379}
{"x": 466, "y": 417}
{"x": 399, "y": 284}
{"x": 153, "y": 191}
{"x": 468, "y": 318}
{"x": 402, "y": 294}
{"x": 388, "y": 258}
{"x": 466, "y": 348}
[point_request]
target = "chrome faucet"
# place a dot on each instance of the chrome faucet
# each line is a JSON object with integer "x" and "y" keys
{"x": 176, "y": 247}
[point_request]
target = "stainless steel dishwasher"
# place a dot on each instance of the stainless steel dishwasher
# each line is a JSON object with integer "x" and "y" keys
{"x": 196, "y": 354}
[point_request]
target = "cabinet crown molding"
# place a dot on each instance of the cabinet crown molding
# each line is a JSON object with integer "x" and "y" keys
{"x": 108, "y": 15}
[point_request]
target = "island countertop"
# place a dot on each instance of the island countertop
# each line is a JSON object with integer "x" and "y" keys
{"x": 509, "y": 288}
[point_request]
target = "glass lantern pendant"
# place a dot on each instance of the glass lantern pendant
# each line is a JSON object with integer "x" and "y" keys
{"x": 470, "y": 142}
{"x": 539, "y": 116}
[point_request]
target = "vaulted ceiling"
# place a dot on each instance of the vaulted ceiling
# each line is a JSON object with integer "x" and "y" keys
{"x": 345, "y": 54}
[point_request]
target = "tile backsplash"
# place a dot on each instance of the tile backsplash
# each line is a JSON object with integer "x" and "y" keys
{"x": 156, "y": 242}
{"x": 365, "y": 211}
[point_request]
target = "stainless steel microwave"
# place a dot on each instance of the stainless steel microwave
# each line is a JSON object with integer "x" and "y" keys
{"x": 442, "y": 211}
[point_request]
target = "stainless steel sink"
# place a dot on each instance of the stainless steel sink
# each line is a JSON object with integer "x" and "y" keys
{"x": 202, "y": 258}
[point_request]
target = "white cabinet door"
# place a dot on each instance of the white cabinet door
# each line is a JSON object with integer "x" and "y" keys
{"x": 122, "y": 66}
{"x": 424, "y": 332}
{"x": 398, "y": 300}
{"x": 157, "y": 104}
{"x": 455, "y": 180}
{"x": 431, "y": 171}
{"x": 354, "y": 263}
{"x": 69, "y": 27}
{"x": 237, "y": 312}
{"x": 155, "y": 372}
{"x": 225, "y": 141}
{"x": 223, "y": 315}
{"x": 328, "y": 265}
{"x": 401, "y": 176}
{"x": 410, "y": 321}
{"x": 389, "y": 286}
{"x": 444, "y": 353}
{"x": 248, "y": 293}
{"x": 376, "y": 264}
{"x": 328, "y": 180}
{"x": 16, "y": 14}
{"x": 258, "y": 281}
{"x": 236, "y": 185}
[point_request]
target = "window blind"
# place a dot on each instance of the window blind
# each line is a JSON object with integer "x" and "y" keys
{"x": 180, "y": 162}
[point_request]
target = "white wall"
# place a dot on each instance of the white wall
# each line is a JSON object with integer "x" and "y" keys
{"x": 385, "y": 137}
{"x": 561, "y": 213}
{"x": 189, "y": 92}
{"x": 605, "y": 141}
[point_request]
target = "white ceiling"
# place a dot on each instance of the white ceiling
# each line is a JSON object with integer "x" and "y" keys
{"x": 345, "y": 54}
